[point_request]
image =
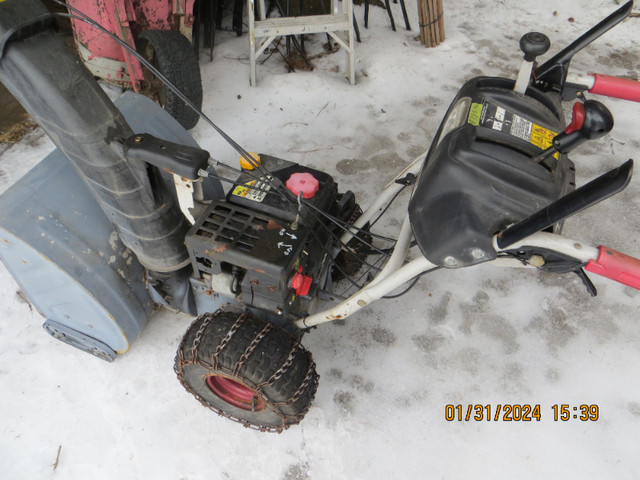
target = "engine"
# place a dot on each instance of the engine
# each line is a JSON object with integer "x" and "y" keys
{"x": 273, "y": 252}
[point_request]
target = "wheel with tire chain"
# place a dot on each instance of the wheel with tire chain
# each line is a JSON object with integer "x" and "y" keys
{"x": 172, "y": 54}
{"x": 246, "y": 369}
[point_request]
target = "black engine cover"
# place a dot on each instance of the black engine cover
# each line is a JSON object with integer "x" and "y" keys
{"x": 251, "y": 235}
{"x": 479, "y": 177}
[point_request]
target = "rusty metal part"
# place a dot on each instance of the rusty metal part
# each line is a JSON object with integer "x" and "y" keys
{"x": 252, "y": 346}
{"x": 234, "y": 328}
{"x": 278, "y": 373}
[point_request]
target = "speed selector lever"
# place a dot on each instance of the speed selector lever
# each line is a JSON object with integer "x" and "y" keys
{"x": 590, "y": 120}
{"x": 532, "y": 44}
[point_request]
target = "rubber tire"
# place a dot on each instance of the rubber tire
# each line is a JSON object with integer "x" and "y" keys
{"x": 276, "y": 351}
{"x": 172, "y": 54}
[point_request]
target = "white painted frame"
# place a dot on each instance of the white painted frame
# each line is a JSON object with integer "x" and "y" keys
{"x": 397, "y": 271}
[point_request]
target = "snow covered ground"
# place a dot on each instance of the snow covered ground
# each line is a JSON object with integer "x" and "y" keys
{"x": 476, "y": 336}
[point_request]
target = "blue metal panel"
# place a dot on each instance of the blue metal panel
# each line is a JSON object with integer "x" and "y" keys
{"x": 66, "y": 255}
{"x": 57, "y": 243}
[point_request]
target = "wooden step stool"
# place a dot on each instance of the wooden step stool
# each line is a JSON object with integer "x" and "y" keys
{"x": 264, "y": 31}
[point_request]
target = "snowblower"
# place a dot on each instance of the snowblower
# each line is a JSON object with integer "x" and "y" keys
{"x": 129, "y": 214}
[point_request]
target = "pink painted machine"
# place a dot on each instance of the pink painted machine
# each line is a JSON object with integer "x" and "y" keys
{"x": 161, "y": 30}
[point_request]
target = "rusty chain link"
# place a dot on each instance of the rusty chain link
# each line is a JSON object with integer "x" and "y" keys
{"x": 234, "y": 328}
{"x": 278, "y": 373}
{"x": 249, "y": 350}
{"x": 200, "y": 332}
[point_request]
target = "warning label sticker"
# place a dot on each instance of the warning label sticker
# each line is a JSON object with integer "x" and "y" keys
{"x": 542, "y": 137}
{"x": 475, "y": 113}
{"x": 255, "y": 190}
{"x": 497, "y": 118}
{"x": 521, "y": 128}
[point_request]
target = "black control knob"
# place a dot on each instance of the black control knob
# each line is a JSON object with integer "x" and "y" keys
{"x": 534, "y": 44}
{"x": 591, "y": 120}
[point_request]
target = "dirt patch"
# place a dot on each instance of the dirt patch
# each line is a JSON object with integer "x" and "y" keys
{"x": 14, "y": 122}
{"x": 15, "y": 133}
{"x": 297, "y": 62}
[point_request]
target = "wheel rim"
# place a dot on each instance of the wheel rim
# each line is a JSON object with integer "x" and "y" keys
{"x": 235, "y": 393}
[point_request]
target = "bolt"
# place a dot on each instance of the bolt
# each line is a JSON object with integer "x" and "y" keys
{"x": 450, "y": 261}
{"x": 477, "y": 253}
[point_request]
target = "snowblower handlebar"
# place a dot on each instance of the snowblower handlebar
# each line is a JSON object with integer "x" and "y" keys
{"x": 608, "y": 86}
{"x": 616, "y": 266}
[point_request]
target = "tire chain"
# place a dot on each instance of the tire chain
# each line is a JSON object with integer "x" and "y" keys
{"x": 310, "y": 380}
{"x": 225, "y": 341}
{"x": 249, "y": 350}
{"x": 278, "y": 373}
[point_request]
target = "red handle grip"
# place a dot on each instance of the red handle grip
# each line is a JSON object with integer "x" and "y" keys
{"x": 616, "y": 266}
{"x": 616, "y": 87}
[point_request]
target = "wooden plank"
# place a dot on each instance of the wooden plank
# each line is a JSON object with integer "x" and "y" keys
{"x": 301, "y": 25}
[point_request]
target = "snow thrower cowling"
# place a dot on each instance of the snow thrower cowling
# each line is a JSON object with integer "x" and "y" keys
{"x": 129, "y": 213}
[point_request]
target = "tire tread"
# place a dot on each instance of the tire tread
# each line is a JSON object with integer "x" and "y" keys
{"x": 177, "y": 61}
{"x": 287, "y": 382}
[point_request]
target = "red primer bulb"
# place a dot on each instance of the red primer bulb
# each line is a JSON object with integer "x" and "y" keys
{"x": 303, "y": 182}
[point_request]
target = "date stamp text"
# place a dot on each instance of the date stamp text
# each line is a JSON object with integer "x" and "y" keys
{"x": 520, "y": 412}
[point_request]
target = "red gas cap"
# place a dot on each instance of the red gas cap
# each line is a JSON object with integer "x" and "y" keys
{"x": 303, "y": 182}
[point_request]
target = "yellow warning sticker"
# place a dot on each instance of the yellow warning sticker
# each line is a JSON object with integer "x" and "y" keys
{"x": 542, "y": 137}
{"x": 254, "y": 190}
{"x": 241, "y": 191}
{"x": 500, "y": 119}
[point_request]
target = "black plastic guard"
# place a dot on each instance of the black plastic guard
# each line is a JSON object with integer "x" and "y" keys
{"x": 21, "y": 19}
{"x": 62, "y": 96}
{"x": 480, "y": 177}
{"x": 584, "y": 197}
{"x": 553, "y": 73}
{"x": 174, "y": 158}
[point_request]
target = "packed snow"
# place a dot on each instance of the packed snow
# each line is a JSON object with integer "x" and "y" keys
{"x": 476, "y": 336}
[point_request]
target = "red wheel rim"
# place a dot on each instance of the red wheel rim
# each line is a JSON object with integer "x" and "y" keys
{"x": 235, "y": 393}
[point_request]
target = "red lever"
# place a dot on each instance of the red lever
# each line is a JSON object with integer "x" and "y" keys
{"x": 616, "y": 266}
{"x": 577, "y": 118}
{"x": 301, "y": 283}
